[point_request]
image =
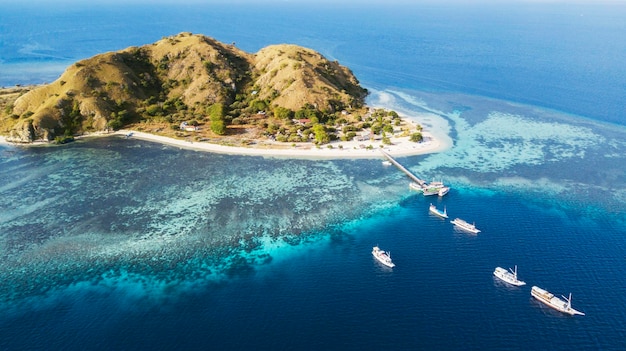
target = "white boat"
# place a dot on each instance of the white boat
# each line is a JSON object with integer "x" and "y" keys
{"x": 415, "y": 186}
{"x": 443, "y": 191}
{"x": 431, "y": 191}
{"x": 509, "y": 277}
{"x": 563, "y": 305}
{"x": 382, "y": 257}
{"x": 386, "y": 163}
{"x": 435, "y": 184}
{"x": 465, "y": 226}
{"x": 434, "y": 210}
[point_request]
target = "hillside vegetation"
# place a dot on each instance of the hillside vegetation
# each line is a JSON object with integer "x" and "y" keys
{"x": 186, "y": 81}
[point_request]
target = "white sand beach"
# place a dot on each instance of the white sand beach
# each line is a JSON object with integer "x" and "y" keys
{"x": 350, "y": 149}
{"x": 435, "y": 140}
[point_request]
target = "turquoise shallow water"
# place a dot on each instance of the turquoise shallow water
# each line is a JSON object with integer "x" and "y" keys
{"x": 144, "y": 245}
{"x": 112, "y": 243}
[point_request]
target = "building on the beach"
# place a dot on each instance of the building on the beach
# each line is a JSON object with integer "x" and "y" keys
{"x": 365, "y": 136}
{"x": 188, "y": 127}
{"x": 302, "y": 121}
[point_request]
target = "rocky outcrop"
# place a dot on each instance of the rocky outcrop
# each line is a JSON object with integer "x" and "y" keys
{"x": 23, "y": 132}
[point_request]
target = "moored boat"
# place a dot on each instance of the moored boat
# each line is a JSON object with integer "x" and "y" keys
{"x": 430, "y": 191}
{"x": 434, "y": 210}
{"x": 465, "y": 225}
{"x": 562, "y": 305}
{"x": 386, "y": 163}
{"x": 382, "y": 257}
{"x": 435, "y": 184}
{"x": 443, "y": 191}
{"x": 509, "y": 277}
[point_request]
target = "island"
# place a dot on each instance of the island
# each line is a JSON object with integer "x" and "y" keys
{"x": 193, "y": 91}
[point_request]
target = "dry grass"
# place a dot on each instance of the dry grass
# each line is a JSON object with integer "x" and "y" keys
{"x": 193, "y": 70}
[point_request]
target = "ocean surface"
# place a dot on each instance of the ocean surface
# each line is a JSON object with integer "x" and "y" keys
{"x": 113, "y": 243}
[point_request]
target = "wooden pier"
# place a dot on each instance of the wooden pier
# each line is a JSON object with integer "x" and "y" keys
{"x": 422, "y": 183}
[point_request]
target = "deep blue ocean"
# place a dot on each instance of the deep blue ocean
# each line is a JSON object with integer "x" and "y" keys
{"x": 112, "y": 243}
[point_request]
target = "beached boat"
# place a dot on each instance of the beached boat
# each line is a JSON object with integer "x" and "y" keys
{"x": 443, "y": 191}
{"x": 563, "y": 305}
{"x": 415, "y": 186}
{"x": 382, "y": 257}
{"x": 434, "y": 210}
{"x": 509, "y": 277}
{"x": 465, "y": 225}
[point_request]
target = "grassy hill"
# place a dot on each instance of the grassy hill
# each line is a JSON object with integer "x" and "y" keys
{"x": 184, "y": 78}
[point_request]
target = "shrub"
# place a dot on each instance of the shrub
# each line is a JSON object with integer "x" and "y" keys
{"x": 153, "y": 110}
{"x": 63, "y": 139}
{"x": 377, "y": 128}
{"x": 321, "y": 136}
{"x": 115, "y": 124}
{"x": 8, "y": 108}
{"x": 347, "y": 129}
{"x": 294, "y": 138}
{"x": 416, "y": 137}
{"x": 208, "y": 65}
{"x": 283, "y": 113}
{"x": 258, "y": 105}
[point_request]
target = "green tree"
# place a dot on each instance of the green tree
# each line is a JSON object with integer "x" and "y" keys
{"x": 218, "y": 127}
{"x": 272, "y": 128}
{"x": 321, "y": 136}
{"x": 153, "y": 110}
{"x": 282, "y": 112}
{"x": 216, "y": 111}
{"x": 416, "y": 137}
{"x": 377, "y": 128}
{"x": 300, "y": 114}
{"x": 258, "y": 105}
{"x": 115, "y": 124}
{"x": 217, "y": 117}
{"x": 386, "y": 139}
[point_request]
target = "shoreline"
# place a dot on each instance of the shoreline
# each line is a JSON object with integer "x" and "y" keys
{"x": 401, "y": 146}
{"x": 348, "y": 149}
